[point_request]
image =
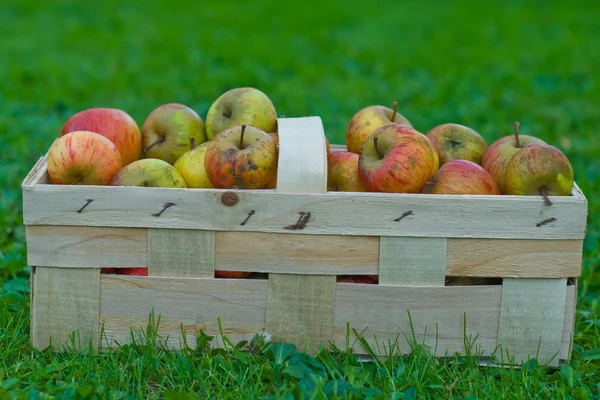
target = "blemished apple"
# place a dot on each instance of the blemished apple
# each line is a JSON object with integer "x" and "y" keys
{"x": 499, "y": 154}
{"x": 367, "y": 120}
{"x": 539, "y": 169}
{"x": 396, "y": 159}
{"x": 242, "y": 157}
{"x": 83, "y": 158}
{"x": 342, "y": 172}
{"x": 457, "y": 142}
{"x": 241, "y": 106}
{"x": 114, "y": 124}
{"x": 167, "y": 131}
{"x": 149, "y": 172}
{"x": 461, "y": 177}
{"x": 191, "y": 167}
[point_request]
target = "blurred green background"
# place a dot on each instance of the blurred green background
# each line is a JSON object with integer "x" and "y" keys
{"x": 484, "y": 64}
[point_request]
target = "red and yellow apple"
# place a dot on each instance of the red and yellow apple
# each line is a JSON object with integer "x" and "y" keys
{"x": 461, "y": 177}
{"x": 83, "y": 158}
{"x": 342, "y": 172}
{"x": 242, "y": 157}
{"x": 168, "y": 129}
{"x": 397, "y": 159}
{"x": 241, "y": 106}
{"x": 273, "y": 182}
{"x": 149, "y": 172}
{"x": 114, "y": 124}
{"x": 457, "y": 142}
{"x": 367, "y": 120}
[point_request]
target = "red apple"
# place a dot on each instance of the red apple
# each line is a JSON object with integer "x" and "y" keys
{"x": 242, "y": 157}
{"x": 108, "y": 270}
{"x": 342, "y": 172}
{"x": 273, "y": 182}
{"x": 83, "y": 158}
{"x": 137, "y": 271}
{"x": 356, "y": 279}
{"x": 397, "y": 159}
{"x": 461, "y": 177}
{"x": 112, "y": 123}
{"x": 231, "y": 274}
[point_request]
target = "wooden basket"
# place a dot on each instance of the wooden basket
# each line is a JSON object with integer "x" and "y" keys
{"x": 303, "y": 236}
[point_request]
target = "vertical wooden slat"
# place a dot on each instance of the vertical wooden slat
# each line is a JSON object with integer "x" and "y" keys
{"x": 181, "y": 253}
{"x": 411, "y": 261}
{"x": 65, "y": 300}
{"x": 532, "y": 314}
{"x": 300, "y": 309}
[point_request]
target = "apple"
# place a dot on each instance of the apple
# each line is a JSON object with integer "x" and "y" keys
{"x": 242, "y": 157}
{"x": 539, "y": 169}
{"x": 191, "y": 167}
{"x": 83, "y": 158}
{"x": 436, "y": 160}
{"x": 241, "y": 106}
{"x": 342, "y": 172}
{"x": 396, "y": 158}
{"x": 499, "y": 154}
{"x": 114, "y": 124}
{"x": 149, "y": 172}
{"x": 367, "y": 120}
{"x": 461, "y": 177}
{"x": 273, "y": 182}
{"x": 108, "y": 271}
{"x": 356, "y": 279}
{"x": 457, "y": 142}
{"x": 231, "y": 274}
{"x": 167, "y": 131}
{"x": 137, "y": 271}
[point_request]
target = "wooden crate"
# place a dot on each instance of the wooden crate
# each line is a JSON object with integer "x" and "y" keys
{"x": 535, "y": 250}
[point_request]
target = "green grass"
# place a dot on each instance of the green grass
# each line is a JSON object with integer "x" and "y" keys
{"x": 483, "y": 64}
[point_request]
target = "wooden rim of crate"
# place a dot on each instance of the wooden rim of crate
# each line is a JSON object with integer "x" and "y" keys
{"x": 532, "y": 247}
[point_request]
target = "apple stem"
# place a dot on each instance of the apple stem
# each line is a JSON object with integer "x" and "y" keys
{"x": 242, "y": 137}
{"x": 375, "y": 139}
{"x": 192, "y": 143}
{"x": 544, "y": 193}
{"x": 395, "y": 105}
{"x": 157, "y": 141}
{"x": 146, "y": 183}
{"x": 517, "y": 142}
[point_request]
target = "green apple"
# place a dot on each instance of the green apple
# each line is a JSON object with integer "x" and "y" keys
{"x": 242, "y": 157}
{"x": 167, "y": 131}
{"x": 149, "y": 172}
{"x": 241, "y": 106}
{"x": 366, "y": 120}
{"x": 191, "y": 167}
{"x": 499, "y": 154}
{"x": 457, "y": 142}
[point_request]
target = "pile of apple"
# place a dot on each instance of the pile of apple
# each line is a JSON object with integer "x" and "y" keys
{"x": 236, "y": 148}
{"x": 387, "y": 154}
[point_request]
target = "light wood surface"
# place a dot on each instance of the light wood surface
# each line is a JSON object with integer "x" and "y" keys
{"x": 514, "y": 258}
{"x": 181, "y": 253}
{"x": 297, "y": 254}
{"x": 300, "y": 309}
{"x": 191, "y": 304}
{"x": 65, "y": 301}
{"x": 532, "y": 314}
{"x": 411, "y": 261}
{"x": 80, "y": 246}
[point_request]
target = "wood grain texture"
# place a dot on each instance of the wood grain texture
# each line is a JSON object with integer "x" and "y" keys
{"x": 569, "y": 325}
{"x": 84, "y": 246}
{"x": 65, "y": 300}
{"x": 297, "y": 254}
{"x": 514, "y": 258}
{"x": 302, "y": 156}
{"x": 300, "y": 309}
{"x": 411, "y": 261}
{"x": 333, "y": 213}
{"x": 180, "y": 253}
{"x": 384, "y": 312}
{"x": 191, "y": 304}
{"x": 37, "y": 175}
{"x": 532, "y": 314}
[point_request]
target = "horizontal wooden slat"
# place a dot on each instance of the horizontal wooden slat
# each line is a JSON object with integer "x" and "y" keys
{"x": 333, "y": 213}
{"x": 81, "y": 246}
{"x": 192, "y": 303}
{"x": 382, "y": 311}
{"x": 297, "y": 254}
{"x": 514, "y": 258}
{"x": 412, "y": 261}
